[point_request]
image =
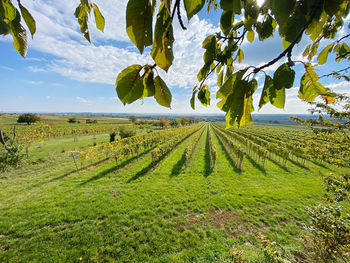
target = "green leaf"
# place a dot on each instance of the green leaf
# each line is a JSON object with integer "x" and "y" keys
{"x": 283, "y": 77}
{"x": 204, "y": 71}
{"x": 309, "y": 87}
{"x": 226, "y": 21}
{"x": 204, "y": 95}
{"x": 210, "y": 45}
{"x": 193, "y": 98}
{"x": 307, "y": 50}
{"x": 343, "y": 51}
{"x": 148, "y": 84}
{"x": 226, "y": 88}
{"x": 10, "y": 12}
{"x": 277, "y": 97}
{"x": 162, "y": 51}
{"x": 162, "y": 94}
{"x": 220, "y": 78}
{"x": 193, "y": 7}
{"x": 235, "y": 94}
{"x": 282, "y": 9}
{"x": 100, "y": 20}
{"x": 129, "y": 84}
{"x": 265, "y": 95}
{"x": 231, "y": 5}
{"x": 139, "y": 15}
{"x": 28, "y": 19}
{"x": 294, "y": 25}
{"x": 266, "y": 29}
{"x": 81, "y": 13}
{"x": 316, "y": 27}
{"x": 4, "y": 28}
{"x": 332, "y": 6}
{"x": 250, "y": 36}
{"x": 322, "y": 57}
{"x": 240, "y": 55}
{"x": 239, "y": 104}
{"x": 19, "y": 36}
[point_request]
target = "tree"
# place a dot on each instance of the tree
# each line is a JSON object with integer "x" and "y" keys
{"x": 164, "y": 122}
{"x": 72, "y": 120}
{"x": 175, "y": 123}
{"x": 132, "y": 118}
{"x": 317, "y": 20}
{"x": 127, "y": 131}
{"x": 28, "y": 118}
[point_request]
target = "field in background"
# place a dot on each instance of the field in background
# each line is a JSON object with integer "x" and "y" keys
{"x": 141, "y": 209}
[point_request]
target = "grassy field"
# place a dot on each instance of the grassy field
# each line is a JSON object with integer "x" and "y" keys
{"x": 63, "y": 119}
{"x": 137, "y": 212}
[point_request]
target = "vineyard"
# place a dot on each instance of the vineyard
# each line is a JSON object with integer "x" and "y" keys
{"x": 189, "y": 194}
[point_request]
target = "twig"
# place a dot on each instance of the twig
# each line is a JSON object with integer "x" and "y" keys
{"x": 334, "y": 73}
{"x": 343, "y": 55}
{"x": 340, "y": 39}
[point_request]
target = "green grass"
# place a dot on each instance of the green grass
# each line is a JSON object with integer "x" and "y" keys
{"x": 139, "y": 213}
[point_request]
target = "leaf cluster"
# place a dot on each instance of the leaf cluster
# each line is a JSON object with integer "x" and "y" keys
{"x": 240, "y": 20}
{"x": 11, "y": 21}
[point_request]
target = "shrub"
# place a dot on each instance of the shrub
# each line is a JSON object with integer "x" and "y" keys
{"x": 89, "y": 121}
{"x": 72, "y": 120}
{"x": 112, "y": 136}
{"x": 11, "y": 154}
{"x": 127, "y": 132}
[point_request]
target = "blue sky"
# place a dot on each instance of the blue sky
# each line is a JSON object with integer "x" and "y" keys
{"x": 64, "y": 73}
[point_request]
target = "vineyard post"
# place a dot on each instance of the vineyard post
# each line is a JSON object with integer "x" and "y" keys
{"x": 116, "y": 159}
{"x": 75, "y": 162}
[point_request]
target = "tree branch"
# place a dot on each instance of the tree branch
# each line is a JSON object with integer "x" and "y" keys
{"x": 334, "y": 73}
{"x": 340, "y": 39}
{"x": 288, "y": 51}
{"x": 177, "y": 8}
{"x": 343, "y": 55}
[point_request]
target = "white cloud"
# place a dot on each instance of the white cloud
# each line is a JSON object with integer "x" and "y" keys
{"x": 6, "y": 68}
{"x": 32, "y": 82}
{"x": 82, "y": 100}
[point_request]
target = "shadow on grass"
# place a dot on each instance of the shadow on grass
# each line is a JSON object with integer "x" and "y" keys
{"x": 278, "y": 164}
{"x": 298, "y": 164}
{"x": 176, "y": 170}
{"x": 207, "y": 169}
{"x": 255, "y": 164}
{"x": 74, "y": 171}
{"x": 109, "y": 170}
{"x": 318, "y": 163}
{"x": 229, "y": 157}
{"x": 151, "y": 166}
{"x": 142, "y": 173}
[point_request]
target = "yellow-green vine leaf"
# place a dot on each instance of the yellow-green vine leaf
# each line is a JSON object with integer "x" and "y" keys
{"x": 250, "y": 36}
{"x": 162, "y": 50}
{"x": 129, "y": 84}
{"x": 309, "y": 87}
{"x": 322, "y": 57}
{"x": 100, "y": 20}
{"x": 193, "y": 7}
{"x": 162, "y": 94}
{"x": 139, "y": 15}
{"x": 204, "y": 95}
{"x": 30, "y": 22}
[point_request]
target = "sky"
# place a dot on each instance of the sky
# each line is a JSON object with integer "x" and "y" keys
{"x": 64, "y": 73}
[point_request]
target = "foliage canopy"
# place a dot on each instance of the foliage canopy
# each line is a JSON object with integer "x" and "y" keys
{"x": 317, "y": 20}
{"x": 28, "y": 118}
